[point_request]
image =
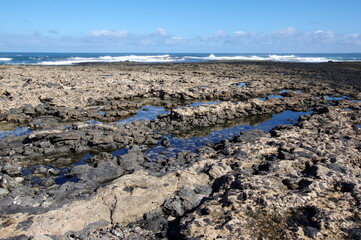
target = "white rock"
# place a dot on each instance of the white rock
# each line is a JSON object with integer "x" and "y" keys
{"x": 3, "y": 192}
{"x": 19, "y": 179}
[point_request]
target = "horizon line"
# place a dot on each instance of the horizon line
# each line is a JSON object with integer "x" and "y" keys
{"x": 186, "y": 52}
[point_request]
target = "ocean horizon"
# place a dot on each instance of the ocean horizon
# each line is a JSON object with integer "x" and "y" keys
{"x": 52, "y": 58}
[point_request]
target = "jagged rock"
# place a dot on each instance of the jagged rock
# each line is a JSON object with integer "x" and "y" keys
{"x": 300, "y": 181}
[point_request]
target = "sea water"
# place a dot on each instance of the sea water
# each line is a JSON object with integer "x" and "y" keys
{"x": 76, "y": 58}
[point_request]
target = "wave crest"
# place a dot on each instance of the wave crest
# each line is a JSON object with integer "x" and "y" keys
{"x": 110, "y": 59}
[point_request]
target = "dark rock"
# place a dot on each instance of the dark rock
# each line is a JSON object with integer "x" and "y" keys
{"x": 22, "y": 190}
{"x": 336, "y": 167}
{"x": 303, "y": 185}
{"x": 240, "y": 155}
{"x": 304, "y": 217}
{"x": 345, "y": 186}
{"x": 62, "y": 162}
{"x": 185, "y": 200}
{"x": 291, "y": 183}
{"x": 155, "y": 220}
{"x": 286, "y": 155}
{"x": 310, "y": 170}
{"x": 20, "y": 237}
{"x": 165, "y": 142}
{"x": 223, "y": 182}
{"x": 54, "y": 172}
{"x": 276, "y": 131}
{"x": 322, "y": 110}
{"x": 103, "y": 172}
{"x": 48, "y": 182}
{"x": 131, "y": 160}
{"x": 222, "y": 145}
{"x": 250, "y": 136}
{"x": 354, "y": 234}
{"x": 42, "y": 170}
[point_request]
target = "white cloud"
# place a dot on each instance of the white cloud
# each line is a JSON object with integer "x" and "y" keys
{"x": 289, "y": 39}
{"x": 177, "y": 38}
{"x": 352, "y": 38}
{"x": 288, "y": 31}
{"x": 162, "y": 32}
{"x": 240, "y": 33}
{"x": 324, "y": 34}
{"x": 219, "y": 35}
{"x": 118, "y": 33}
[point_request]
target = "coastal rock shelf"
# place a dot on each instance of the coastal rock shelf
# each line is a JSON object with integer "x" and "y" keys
{"x": 234, "y": 150}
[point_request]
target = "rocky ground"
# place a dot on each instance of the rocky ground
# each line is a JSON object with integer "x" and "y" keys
{"x": 239, "y": 150}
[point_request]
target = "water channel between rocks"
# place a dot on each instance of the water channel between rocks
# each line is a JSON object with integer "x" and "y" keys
{"x": 189, "y": 141}
{"x": 148, "y": 112}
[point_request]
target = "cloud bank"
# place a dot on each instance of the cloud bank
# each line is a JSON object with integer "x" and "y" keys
{"x": 288, "y": 39}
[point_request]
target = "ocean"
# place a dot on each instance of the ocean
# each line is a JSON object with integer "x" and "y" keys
{"x": 20, "y": 58}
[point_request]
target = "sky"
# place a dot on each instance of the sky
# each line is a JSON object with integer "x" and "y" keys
{"x": 170, "y": 26}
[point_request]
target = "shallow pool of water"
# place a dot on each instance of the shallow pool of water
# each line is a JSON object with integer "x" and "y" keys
{"x": 196, "y": 104}
{"x": 330, "y": 98}
{"x": 286, "y": 90}
{"x": 151, "y": 112}
{"x": 146, "y": 113}
{"x": 193, "y": 143}
{"x": 242, "y": 84}
{"x": 18, "y": 131}
{"x": 270, "y": 97}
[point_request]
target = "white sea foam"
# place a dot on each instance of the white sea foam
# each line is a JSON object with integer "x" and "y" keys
{"x": 293, "y": 58}
{"x": 5, "y": 59}
{"x": 109, "y": 59}
{"x": 278, "y": 58}
{"x": 226, "y": 58}
{"x": 194, "y": 58}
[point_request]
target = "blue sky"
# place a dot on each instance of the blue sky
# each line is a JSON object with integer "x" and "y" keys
{"x": 279, "y": 26}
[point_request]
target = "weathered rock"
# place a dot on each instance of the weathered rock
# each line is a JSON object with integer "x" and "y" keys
{"x": 3, "y": 192}
{"x": 122, "y": 201}
{"x": 301, "y": 181}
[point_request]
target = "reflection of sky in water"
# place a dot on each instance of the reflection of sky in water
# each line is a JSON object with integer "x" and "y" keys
{"x": 151, "y": 112}
{"x": 178, "y": 145}
{"x": 19, "y": 131}
{"x": 284, "y": 91}
{"x": 193, "y": 143}
{"x": 93, "y": 122}
{"x": 146, "y": 113}
{"x": 329, "y": 98}
{"x": 196, "y": 104}
{"x": 270, "y": 97}
{"x": 242, "y": 84}
{"x": 277, "y": 96}
{"x": 121, "y": 151}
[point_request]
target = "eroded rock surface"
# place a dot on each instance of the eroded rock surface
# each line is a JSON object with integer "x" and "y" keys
{"x": 64, "y": 175}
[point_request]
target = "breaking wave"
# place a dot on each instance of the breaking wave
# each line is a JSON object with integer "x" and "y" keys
{"x": 279, "y": 58}
{"x": 110, "y": 59}
{"x": 169, "y": 58}
{"x": 78, "y": 58}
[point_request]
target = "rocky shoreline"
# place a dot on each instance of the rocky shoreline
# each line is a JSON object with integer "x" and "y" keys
{"x": 237, "y": 150}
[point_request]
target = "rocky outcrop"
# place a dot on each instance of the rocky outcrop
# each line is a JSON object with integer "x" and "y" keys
{"x": 123, "y": 201}
{"x": 294, "y": 185}
{"x": 81, "y": 86}
{"x": 297, "y": 181}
